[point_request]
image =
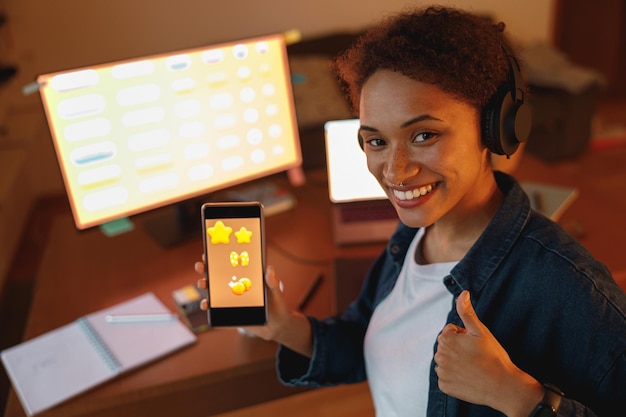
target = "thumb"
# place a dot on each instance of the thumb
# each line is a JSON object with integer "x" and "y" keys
{"x": 273, "y": 283}
{"x": 467, "y": 314}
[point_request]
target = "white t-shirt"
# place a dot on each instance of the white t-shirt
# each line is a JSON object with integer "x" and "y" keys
{"x": 401, "y": 335}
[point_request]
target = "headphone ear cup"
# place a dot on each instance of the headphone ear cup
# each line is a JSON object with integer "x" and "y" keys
{"x": 505, "y": 123}
{"x": 492, "y": 121}
{"x": 519, "y": 122}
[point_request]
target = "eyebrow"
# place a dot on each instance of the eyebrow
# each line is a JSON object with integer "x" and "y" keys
{"x": 405, "y": 124}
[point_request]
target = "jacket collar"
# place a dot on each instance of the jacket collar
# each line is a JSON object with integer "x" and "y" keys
{"x": 498, "y": 239}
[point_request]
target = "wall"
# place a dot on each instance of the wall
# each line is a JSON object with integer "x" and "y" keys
{"x": 46, "y": 36}
{"x": 53, "y": 35}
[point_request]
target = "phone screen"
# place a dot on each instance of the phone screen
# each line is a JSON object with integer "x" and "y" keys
{"x": 235, "y": 264}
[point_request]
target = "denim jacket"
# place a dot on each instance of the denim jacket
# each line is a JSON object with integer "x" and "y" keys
{"x": 555, "y": 310}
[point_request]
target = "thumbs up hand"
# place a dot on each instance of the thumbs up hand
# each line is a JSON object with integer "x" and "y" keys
{"x": 472, "y": 366}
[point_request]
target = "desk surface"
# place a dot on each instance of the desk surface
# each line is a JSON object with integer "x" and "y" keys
{"x": 82, "y": 272}
{"x": 597, "y": 218}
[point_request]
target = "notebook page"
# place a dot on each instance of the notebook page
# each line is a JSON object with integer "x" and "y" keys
{"x": 55, "y": 366}
{"x": 134, "y": 344}
{"x": 74, "y": 358}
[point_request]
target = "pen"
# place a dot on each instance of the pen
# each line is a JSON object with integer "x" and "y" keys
{"x": 140, "y": 318}
{"x": 307, "y": 296}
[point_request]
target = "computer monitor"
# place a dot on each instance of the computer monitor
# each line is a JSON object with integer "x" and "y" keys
{"x": 139, "y": 134}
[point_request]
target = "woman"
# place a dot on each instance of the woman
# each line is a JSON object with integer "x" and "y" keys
{"x": 428, "y": 87}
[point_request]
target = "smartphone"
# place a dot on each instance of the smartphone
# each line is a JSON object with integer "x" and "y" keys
{"x": 234, "y": 249}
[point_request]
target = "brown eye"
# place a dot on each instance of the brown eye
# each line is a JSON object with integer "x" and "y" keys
{"x": 424, "y": 136}
{"x": 375, "y": 142}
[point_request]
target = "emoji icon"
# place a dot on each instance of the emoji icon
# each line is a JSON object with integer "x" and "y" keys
{"x": 247, "y": 283}
{"x": 239, "y": 287}
{"x": 242, "y": 258}
{"x": 219, "y": 233}
{"x": 243, "y": 235}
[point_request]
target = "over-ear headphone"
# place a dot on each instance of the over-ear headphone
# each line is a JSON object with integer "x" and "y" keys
{"x": 506, "y": 119}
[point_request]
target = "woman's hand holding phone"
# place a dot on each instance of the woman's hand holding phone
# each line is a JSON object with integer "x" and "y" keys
{"x": 285, "y": 326}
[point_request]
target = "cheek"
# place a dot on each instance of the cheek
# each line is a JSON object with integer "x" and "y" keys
{"x": 372, "y": 163}
{"x": 376, "y": 165}
{"x": 372, "y": 167}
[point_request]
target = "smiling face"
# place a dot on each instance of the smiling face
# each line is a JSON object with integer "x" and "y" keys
{"x": 419, "y": 136}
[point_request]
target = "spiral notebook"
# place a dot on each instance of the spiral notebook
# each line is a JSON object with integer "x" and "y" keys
{"x": 60, "y": 364}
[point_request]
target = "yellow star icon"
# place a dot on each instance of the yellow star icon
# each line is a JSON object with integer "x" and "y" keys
{"x": 243, "y": 235}
{"x": 219, "y": 233}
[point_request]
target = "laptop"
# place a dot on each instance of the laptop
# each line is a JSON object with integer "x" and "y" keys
{"x": 361, "y": 212}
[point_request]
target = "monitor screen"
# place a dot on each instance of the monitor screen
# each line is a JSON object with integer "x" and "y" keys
{"x": 349, "y": 179}
{"x": 139, "y": 134}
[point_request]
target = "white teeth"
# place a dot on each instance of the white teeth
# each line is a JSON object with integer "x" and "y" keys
{"x": 409, "y": 195}
{"x": 426, "y": 189}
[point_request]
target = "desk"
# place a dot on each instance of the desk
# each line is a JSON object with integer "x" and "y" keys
{"x": 597, "y": 218}
{"x": 84, "y": 272}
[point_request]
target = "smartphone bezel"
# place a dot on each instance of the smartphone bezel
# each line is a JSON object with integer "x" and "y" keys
{"x": 234, "y": 316}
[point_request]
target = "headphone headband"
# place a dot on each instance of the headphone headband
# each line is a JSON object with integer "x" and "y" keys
{"x": 518, "y": 90}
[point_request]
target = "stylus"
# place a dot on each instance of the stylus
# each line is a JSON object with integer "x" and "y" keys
{"x": 307, "y": 296}
{"x": 140, "y": 318}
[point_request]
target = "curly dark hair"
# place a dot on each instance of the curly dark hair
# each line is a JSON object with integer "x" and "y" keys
{"x": 460, "y": 52}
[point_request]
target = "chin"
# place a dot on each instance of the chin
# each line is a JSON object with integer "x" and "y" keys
{"x": 412, "y": 220}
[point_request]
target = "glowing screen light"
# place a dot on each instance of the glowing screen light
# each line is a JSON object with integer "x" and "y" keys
{"x": 135, "y": 135}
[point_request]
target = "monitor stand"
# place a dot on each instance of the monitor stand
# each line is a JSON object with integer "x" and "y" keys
{"x": 176, "y": 224}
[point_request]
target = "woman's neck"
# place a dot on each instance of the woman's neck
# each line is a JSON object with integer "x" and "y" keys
{"x": 450, "y": 238}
